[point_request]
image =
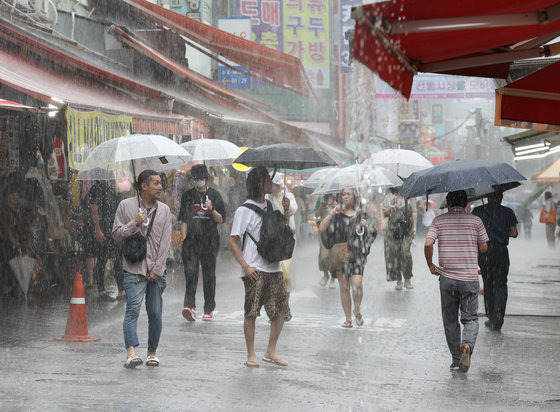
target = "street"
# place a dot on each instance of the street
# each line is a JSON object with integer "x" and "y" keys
{"x": 397, "y": 361}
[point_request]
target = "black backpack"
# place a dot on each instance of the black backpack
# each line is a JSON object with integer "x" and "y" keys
{"x": 276, "y": 241}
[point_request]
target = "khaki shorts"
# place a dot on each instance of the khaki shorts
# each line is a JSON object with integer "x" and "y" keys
{"x": 266, "y": 290}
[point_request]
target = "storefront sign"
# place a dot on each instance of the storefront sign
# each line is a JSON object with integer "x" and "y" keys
{"x": 347, "y": 23}
{"x": 241, "y": 27}
{"x": 10, "y": 134}
{"x": 87, "y": 130}
{"x": 428, "y": 86}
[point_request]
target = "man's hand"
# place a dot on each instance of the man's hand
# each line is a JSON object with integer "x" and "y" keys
{"x": 432, "y": 268}
{"x": 152, "y": 277}
{"x": 208, "y": 205}
{"x": 139, "y": 218}
{"x": 250, "y": 272}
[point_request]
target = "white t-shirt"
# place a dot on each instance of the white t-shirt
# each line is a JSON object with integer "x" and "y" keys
{"x": 245, "y": 220}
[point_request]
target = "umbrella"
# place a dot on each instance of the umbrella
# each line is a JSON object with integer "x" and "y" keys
{"x": 534, "y": 195}
{"x": 213, "y": 152}
{"x": 22, "y": 266}
{"x": 144, "y": 151}
{"x": 285, "y": 156}
{"x": 483, "y": 191}
{"x": 319, "y": 176}
{"x": 401, "y": 162}
{"x": 358, "y": 176}
{"x": 431, "y": 204}
{"x": 460, "y": 175}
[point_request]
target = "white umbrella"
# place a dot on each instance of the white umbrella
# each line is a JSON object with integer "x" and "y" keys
{"x": 400, "y": 161}
{"x": 358, "y": 176}
{"x": 22, "y": 266}
{"x": 145, "y": 151}
{"x": 319, "y": 176}
{"x": 213, "y": 152}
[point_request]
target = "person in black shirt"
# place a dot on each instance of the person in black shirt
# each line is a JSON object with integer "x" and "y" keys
{"x": 102, "y": 202}
{"x": 500, "y": 224}
{"x": 202, "y": 209}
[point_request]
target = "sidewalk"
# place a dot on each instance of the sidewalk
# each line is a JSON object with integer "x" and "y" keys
{"x": 397, "y": 361}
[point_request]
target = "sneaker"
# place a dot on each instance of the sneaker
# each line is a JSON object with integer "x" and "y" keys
{"x": 208, "y": 317}
{"x": 332, "y": 285}
{"x": 465, "y": 361}
{"x": 399, "y": 285}
{"x": 488, "y": 324}
{"x": 408, "y": 284}
{"x": 454, "y": 366}
{"x": 189, "y": 314}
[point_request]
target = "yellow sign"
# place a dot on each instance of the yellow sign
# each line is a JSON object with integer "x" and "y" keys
{"x": 240, "y": 167}
{"x": 87, "y": 130}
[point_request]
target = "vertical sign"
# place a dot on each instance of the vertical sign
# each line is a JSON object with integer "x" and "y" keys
{"x": 266, "y": 21}
{"x": 347, "y": 23}
{"x": 239, "y": 26}
{"x": 306, "y": 36}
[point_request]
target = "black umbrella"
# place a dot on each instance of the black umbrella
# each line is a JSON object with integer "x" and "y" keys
{"x": 468, "y": 175}
{"x": 285, "y": 156}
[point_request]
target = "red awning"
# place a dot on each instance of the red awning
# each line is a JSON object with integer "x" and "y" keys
{"x": 7, "y": 104}
{"x": 398, "y": 38}
{"x": 56, "y": 88}
{"x": 532, "y": 102}
{"x": 280, "y": 67}
{"x": 198, "y": 79}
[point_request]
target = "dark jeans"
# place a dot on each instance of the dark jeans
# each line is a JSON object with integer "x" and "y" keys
{"x": 459, "y": 299}
{"x": 494, "y": 267}
{"x": 191, "y": 261}
{"x": 105, "y": 252}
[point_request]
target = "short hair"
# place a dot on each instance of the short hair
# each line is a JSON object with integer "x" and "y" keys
{"x": 548, "y": 195}
{"x": 354, "y": 191}
{"x": 144, "y": 177}
{"x": 457, "y": 198}
{"x": 258, "y": 175}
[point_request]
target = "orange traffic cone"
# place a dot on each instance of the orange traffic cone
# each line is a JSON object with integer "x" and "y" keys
{"x": 76, "y": 326}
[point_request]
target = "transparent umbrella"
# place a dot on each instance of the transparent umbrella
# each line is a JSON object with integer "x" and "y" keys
{"x": 402, "y": 162}
{"x": 319, "y": 176}
{"x": 22, "y": 266}
{"x": 143, "y": 151}
{"x": 358, "y": 176}
{"x": 212, "y": 152}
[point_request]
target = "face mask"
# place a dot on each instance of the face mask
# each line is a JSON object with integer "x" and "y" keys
{"x": 200, "y": 182}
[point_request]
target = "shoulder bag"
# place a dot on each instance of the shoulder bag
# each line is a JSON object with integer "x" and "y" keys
{"x": 339, "y": 253}
{"x": 135, "y": 247}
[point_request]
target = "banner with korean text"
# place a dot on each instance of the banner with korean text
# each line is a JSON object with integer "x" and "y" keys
{"x": 87, "y": 130}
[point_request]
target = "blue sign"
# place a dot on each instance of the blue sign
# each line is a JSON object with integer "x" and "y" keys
{"x": 234, "y": 79}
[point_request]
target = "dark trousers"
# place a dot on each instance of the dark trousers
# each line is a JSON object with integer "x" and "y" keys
{"x": 494, "y": 266}
{"x": 191, "y": 261}
{"x": 105, "y": 252}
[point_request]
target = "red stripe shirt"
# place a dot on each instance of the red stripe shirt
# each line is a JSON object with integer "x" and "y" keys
{"x": 459, "y": 234}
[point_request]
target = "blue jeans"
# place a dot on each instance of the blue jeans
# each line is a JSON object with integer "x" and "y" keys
{"x": 136, "y": 286}
{"x": 459, "y": 299}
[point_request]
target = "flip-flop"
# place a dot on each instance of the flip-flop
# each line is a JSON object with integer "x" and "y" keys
{"x": 359, "y": 319}
{"x": 152, "y": 361}
{"x": 133, "y": 362}
{"x": 252, "y": 364}
{"x": 277, "y": 362}
{"x": 347, "y": 324}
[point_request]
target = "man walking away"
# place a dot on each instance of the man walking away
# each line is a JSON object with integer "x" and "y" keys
{"x": 263, "y": 280}
{"x": 500, "y": 224}
{"x": 145, "y": 215}
{"x": 460, "y": 237}
{"x": 202, "y": 210}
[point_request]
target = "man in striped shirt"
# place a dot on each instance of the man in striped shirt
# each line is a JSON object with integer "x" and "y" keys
{"x": 460, "y": 237}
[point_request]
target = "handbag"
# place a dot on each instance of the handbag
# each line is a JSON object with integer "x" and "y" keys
{"x": 402, "y": 225}
{"x": 135, "y": 247}
{"x": 547, "y": 217}
{"x": 338, "y": 256}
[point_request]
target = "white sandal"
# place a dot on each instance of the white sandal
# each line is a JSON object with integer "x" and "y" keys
{"x": 133, "y": 362}
{"x": 152, "y": 361}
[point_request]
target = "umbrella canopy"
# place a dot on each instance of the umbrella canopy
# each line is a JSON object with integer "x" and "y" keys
{"x": 399, "y": 161}
{"x": 213, "y": 152}
{"x": 319, "y": 176}
{"x": 550, "y": 175}
{"x": 22, "y": 266}
{"x": 145, "y": 151}
{"x": 459, "y": 175}
{"x": 285, "y": 156}
{"x": 534, "y": 195}
{"x": 358, "y": 176}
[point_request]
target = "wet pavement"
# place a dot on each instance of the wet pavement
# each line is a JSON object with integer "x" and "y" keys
{"x": 397, "y": 361}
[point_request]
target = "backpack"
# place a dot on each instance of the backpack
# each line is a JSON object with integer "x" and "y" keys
{"x": 276, "y": 240}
